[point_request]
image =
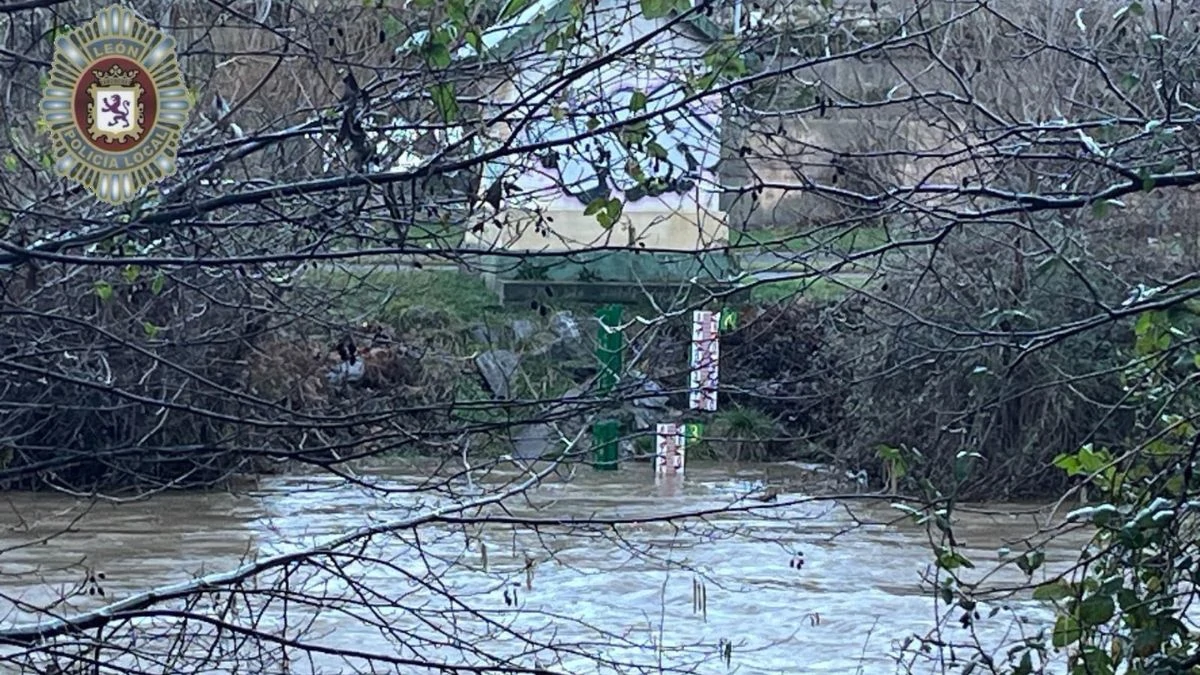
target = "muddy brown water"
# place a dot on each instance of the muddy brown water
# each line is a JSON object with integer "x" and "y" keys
{"x": 594, "y": 601}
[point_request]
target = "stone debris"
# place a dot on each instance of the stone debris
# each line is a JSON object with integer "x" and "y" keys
{"x": 533, "y": 441}
{"x": 523, "y": 329}
{"x": 345, "y": 371}
{"x": 649, "y": 394}
{"x": 498, "y": 368}
{"x": 565, "y": 326}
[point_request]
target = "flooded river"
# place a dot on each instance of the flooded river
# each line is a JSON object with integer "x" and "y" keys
{"x": 801, "y": 587}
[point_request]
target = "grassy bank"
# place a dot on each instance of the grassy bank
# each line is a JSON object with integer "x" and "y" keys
{"x": 387, "y": 295}
{"x": 816, "y": 290}
{"x": 791, "y": 239}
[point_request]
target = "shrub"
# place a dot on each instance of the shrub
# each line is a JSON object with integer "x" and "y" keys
{"x": 127, "y": 377}
{"x": 944, "y": 365}
{"x": 742, "y": 434}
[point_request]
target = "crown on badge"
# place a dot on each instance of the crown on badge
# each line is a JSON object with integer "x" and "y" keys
{"x": 115, "y": 77}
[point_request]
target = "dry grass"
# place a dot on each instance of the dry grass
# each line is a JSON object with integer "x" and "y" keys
{"x": 404, "y": 369}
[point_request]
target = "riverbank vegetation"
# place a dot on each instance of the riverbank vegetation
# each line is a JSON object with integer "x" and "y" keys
{"x": 452, "y": 317}
{"x": 790, "y": 364}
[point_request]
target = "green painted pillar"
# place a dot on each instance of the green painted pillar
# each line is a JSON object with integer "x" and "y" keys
{"x": 604, "y": 445}
{"x": 610, "y": 347}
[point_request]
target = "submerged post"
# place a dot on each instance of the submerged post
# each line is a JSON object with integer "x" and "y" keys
{"x": 669, "y": 450}
{"x": 604, "y": 445}
{"x": 610, "y": 345}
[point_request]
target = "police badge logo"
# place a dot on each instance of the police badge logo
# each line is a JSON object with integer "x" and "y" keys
{"x": 115, "y": 105}
{"x": 115, "y": 94}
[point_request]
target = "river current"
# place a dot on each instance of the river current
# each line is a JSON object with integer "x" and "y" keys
{"x": 596, "y": 580}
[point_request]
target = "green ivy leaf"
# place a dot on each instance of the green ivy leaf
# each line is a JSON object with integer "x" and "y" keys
{"x": 150, "y": 329}
{"x": 634, "y": 134}
{"x": 437, "y": 54}
{"x": 1054, "y": 590}
{"x": 103, "y": 290}
{"x": 10, "y": 163}
{"x": 595, "y": 206}
{"x": 444, "y": 98}
{"x": 1068, "y": 463}
{"x": 456, "y": 11}
{"x": 1026, "y": 665}
{"x": 156, "y": 286}
{"x": 473, "y": 39}
{"x": 1066, "y": 632}
{"x": 1145, "y": 322}
{"x": 1094, "y": 661}
{"x": 637, "y": 102}
{"x": 1147, "y": 180}
{"x": 1128, "y": 600}
{"x": 1096, "y": 610}
{"x": 606, "y": 210}
{"x": 952, "y": 560}
{"x": 1031, "y": 561}
{"x": 614, "y": 207}
{"x": 130, "y": 273}
{"x": 655, "y": 9}
{"x": 513, "y": 8}
{"x": 1090, "y": 460}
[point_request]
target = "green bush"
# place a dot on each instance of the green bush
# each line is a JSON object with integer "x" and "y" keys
{"x": 1123, "y": 608}
{"x": 741, "y": 434}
